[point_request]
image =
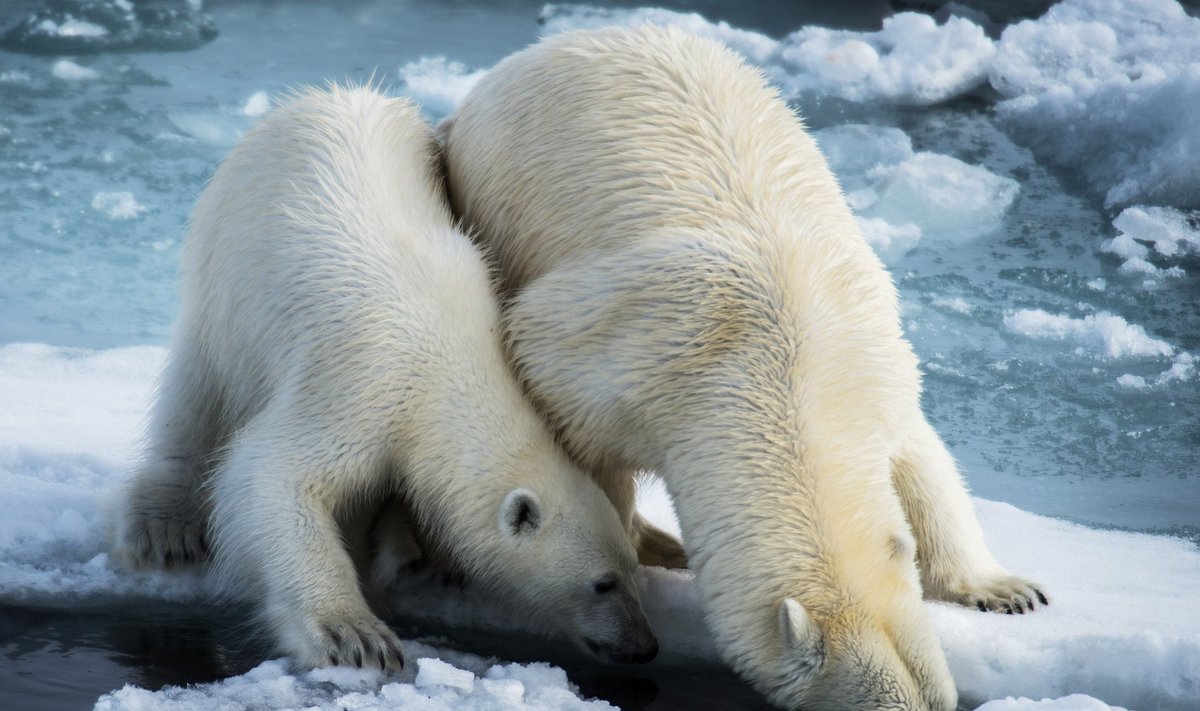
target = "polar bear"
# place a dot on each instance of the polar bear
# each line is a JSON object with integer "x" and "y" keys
{"x": 339, "y": 344}
{"x": 688, "y": 293}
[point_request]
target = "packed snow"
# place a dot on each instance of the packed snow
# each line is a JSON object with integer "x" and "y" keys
{"x": 1120, "y": 627}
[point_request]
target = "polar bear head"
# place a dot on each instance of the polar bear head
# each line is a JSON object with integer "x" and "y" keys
{"x": 568, "y": 560}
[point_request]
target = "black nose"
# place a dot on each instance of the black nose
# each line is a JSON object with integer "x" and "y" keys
{"x": 608, "y": 654}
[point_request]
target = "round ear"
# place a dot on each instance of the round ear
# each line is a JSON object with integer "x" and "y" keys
{"x": 801, "y": 635}
{"x": 521, "y": 513}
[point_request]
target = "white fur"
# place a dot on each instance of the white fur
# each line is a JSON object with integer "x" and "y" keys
{"x": 690, "y": 294}
{"x": 339, "y": 343}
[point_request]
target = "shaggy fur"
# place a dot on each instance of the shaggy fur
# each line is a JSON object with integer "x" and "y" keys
{"x": 689, "y": 293}
{"x": 339, "y": 343}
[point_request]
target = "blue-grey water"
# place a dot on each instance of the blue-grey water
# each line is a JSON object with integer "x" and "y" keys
{"x": 1032, "y": 422}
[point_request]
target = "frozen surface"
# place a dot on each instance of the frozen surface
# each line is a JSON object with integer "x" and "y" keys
{"x": 1121, "y": 627}
{"x": 438, "y": 685}
{"x": 1074, "y": 702}
{"x": 89, "y": 26}
{"x": 1109, "y": 88}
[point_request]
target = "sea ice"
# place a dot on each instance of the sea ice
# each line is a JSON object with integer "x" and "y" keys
{"x": 89, "y": 26}
{"x": 1120, "y": 627}
{"x": 1108, "y": 88}
{"x": 1103, "y": 334}
{"x": 257, "y": 105}
{"x": 438, "y": 85}
{"x": 1074, "y": 702}
{"x": 118, "y": 206}
{"x": 1171, "y": 233}
{"x": 67, "y": 70}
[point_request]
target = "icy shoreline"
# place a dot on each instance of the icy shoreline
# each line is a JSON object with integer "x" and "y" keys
{"x": 1120, "y": 626}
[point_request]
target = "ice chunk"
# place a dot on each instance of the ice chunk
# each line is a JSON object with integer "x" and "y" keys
{"x": 944, "y": 196}
{"x": 912, "y": 60}
{"x": 88, "y": 26}
{"x": 257, "y": 105}
{"x": 1171, "y": 232}
{"x": 890, "y": 242}
{"x": 1109, "y": 88}
{"x": 67, "y": 70}
{"x": 438, "y": 85}
{"x": 435, "y": 672}
{"x": 1074, "y": 702}
{"x": 1102, "y": 334}
{"x": 118, "y": 206}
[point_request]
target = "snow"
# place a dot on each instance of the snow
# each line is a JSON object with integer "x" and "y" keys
{"x": 1170, "y": 233}
{"x": 438, "y": 85}
{"x": 1109, "y": 88}
{"x": 1103, "y": 334}
{"x": 71, "y": 27}
{"x": 118, "y": 205}
{"x": 67, "y": 70}
{"x": 1120, "y": 628}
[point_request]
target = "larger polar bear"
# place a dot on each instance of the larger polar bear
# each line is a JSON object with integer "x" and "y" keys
{"x": 689, "y": 293}
{"x": 338, "y": 344}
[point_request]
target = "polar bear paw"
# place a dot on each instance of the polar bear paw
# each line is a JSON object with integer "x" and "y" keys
{"x": 362, "y": 642}
{"x": 1004, "y": 593}
{"x": 158, "y": 534}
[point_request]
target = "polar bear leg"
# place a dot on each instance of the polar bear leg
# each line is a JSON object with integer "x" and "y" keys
{"x": 165, "y": 515}
{"x": 954, "y": 561}
{"x": 273, "y": 521}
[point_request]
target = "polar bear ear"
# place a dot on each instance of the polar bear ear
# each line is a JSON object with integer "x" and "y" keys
{"x": 801, "y": 634}
{"x": 521, "y": 513}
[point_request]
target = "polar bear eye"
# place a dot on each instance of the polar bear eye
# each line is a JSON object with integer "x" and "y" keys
{"x": 605, "y": 585}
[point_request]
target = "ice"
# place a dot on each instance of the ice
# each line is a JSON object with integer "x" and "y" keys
{"x": 913, "y": 60}
{"x": 435, "y": 672}
{"x": 438, "y": 85}
{"x": 1109, "y": 88}
{"x": 118, "y": 205}
{"x": 90, "y": 26}
{"x": 1171, "y": 233}
{"x": 1121, "y": 626}
{"x": 1102, "y": 334}
{"x": 902, "y": 196}
{"x": 67, "y": 70}
{"x": 257, "y": 105}
{"x": 439, "y": 686}
{"x": 1074, "y": 702}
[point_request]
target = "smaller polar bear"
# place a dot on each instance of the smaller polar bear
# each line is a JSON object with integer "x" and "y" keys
{"x": 689, "y": 293}
{"x": 339, "y": 346}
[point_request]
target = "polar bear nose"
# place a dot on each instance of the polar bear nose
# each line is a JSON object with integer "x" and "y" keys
{"x": 637, "y": 655}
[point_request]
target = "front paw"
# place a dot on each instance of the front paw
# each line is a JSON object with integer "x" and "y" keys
{"x": 149, "y": 541}
{"x": 363, "y": 642}
{"x": 1001, "y": 592}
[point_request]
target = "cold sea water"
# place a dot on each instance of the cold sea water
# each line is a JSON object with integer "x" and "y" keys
{"x": 1042, "y": 231}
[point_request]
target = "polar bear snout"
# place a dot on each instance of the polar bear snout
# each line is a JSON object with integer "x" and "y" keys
{"x": 616, "y": 630}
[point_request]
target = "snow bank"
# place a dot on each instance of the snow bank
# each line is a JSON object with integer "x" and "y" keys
{"x": 1121, "y": 626}
{"x": 88, "y": 26}
{"x": 912, "y": 60}
{"x": 438, "y": 85}
{"x": 1109, "y": 88}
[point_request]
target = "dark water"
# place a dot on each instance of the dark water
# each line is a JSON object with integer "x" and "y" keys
{"x": 55, "y": 659}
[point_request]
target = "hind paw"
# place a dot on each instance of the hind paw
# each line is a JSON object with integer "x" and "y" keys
{"x": 154, "y": 541}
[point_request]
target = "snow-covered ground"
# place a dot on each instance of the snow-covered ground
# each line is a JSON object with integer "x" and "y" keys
{"x": 1123, "y": 625}
{"x": 1034, "y": 188}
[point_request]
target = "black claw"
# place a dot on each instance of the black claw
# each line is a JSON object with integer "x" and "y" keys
{"x": 382, "y": 659}
{"x": 332, "y": 660}
{"x": 1042, "y": 598}
{"x": 358, "y": 658}
{"x": 981, "y": 607}
{"x": 1008, "y": 610}
{"x": 337, "y": 638}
